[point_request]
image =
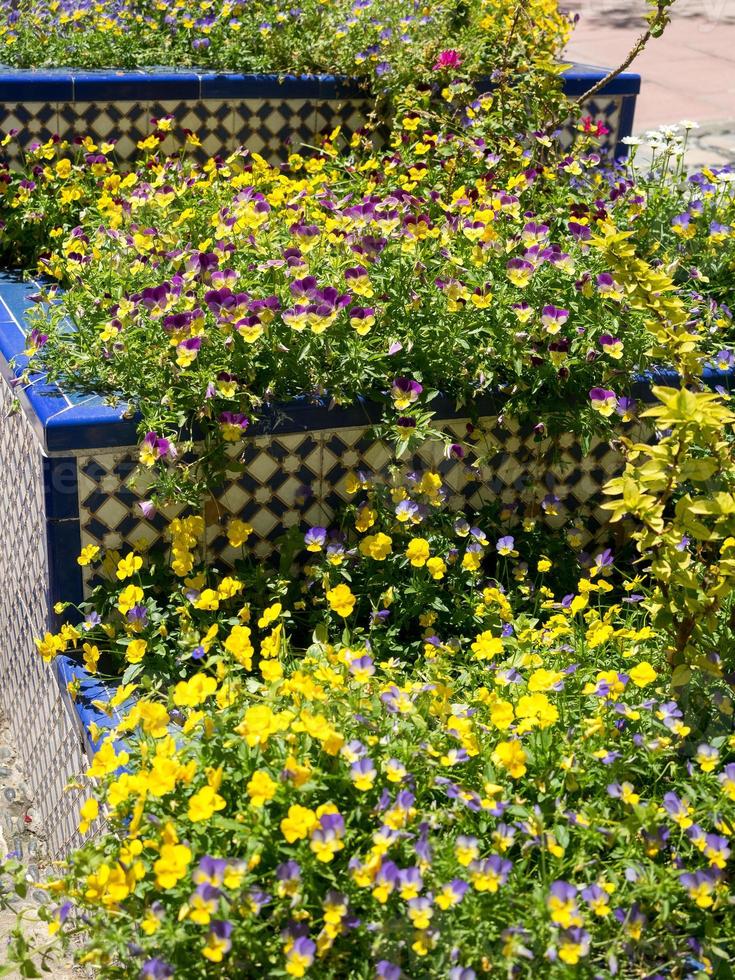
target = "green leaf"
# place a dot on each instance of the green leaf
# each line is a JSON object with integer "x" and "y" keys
{"x": 131, "y": 672}
{"x": 681, "y": 676}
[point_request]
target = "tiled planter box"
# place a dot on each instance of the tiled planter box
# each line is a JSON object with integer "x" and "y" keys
{"x": 67, "y": 467}
{"x": 270, "y": 114}
{"x": 67, "y": 464}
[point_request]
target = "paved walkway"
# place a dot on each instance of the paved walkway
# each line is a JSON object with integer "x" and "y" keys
{"x": 688, "y": 73}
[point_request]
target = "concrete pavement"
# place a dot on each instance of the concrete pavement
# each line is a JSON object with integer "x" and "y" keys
{"x": 688, "y": 73}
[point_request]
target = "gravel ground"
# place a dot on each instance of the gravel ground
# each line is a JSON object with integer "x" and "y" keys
{"x": 17, "y": 840}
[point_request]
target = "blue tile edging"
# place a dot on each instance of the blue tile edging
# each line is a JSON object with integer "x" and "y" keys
{"x": 92, "y": 692}
{"x": 269, "y": 114}
{"x": 579, "y": 79}
{"x": 78, "y": 85}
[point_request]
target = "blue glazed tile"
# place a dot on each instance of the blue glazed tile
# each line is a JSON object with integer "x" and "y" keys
{"x": 303, "y": 414}
{"x": 93, "y": 430}
{"x": 668, "y": 378}
{"x": 135, "y": 86}
{"x": 44, "y": 400}
{"x": 274, "y": 127}
{"x": 12, "y": 339}
{"x": 65, "y": 575}
{"x": 34, "y": 123}
{"x": 62, "y": 420}
{"x": 580, "y": 78}
{"x": 715, "y": 378}
{"x": 94, "y": 470}
{"x": 17, "y": 85}
{"x": 61, "y": 488}
{"x": 96, "y": 529}
{"x": 94, "y": 500}
{"x": 15, "y": 293}
{"x": 166, "y": 83}
{"x": 91, "y": 689}
{"x": 341, "y": 87}
{"x": 234, "y": 86}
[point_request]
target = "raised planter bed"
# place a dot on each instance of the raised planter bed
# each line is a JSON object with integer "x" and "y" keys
{"x": 67, "y": 465}
{"x": 67, "y": 468}
{"x": 270, "y": 114}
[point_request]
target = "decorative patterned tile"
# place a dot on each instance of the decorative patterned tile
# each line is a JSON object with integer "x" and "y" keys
{"x": 109, "y": 487}
{"x": 271, "y": 114}
{"x": 349, "y": 114}
{"x": 210, "y": 119}
{"x": 605, "y": 109}
{"x": 274, "y": 128}
{"x": 126, "y": 122}
{"x": 35, "y": 122}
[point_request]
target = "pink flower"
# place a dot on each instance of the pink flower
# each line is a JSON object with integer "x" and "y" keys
{"x": 595, "y": 127}
{"x": 448, "y": 59}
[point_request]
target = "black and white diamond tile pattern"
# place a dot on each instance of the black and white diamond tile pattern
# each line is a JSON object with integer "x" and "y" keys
{"x": 110, "y": 486}
{"x": 517, "y": 468}
{"x": 124, "y": 122}
{"x": 350, "y": 115}
{"x": 280, "y": 489}
{"x": 35, "y": 122}
{"x": 211, "y": 120}
{"x": 300, "y": 480}
{"x": 273, "y": 128}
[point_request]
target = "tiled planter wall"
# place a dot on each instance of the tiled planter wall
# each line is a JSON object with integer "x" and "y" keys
{"x": 67, "y": 479}
{"x": 67, "y": 463}
{"x": 270, "y": 114}
{"x": 48, "y": 727}
{"x": 43, "y": 727}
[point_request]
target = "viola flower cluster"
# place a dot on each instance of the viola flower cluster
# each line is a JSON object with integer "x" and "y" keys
{"x": 389, "y": 560}
{"x": 390, "y": 43}
{"x": 439, "y": 744}
{"x": 505, "y": 781}
{"x": 235, "y": 285}
{"x": 428, "y": 754}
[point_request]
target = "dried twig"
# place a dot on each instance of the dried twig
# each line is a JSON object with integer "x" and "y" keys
{"x": 657, "y": 21}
